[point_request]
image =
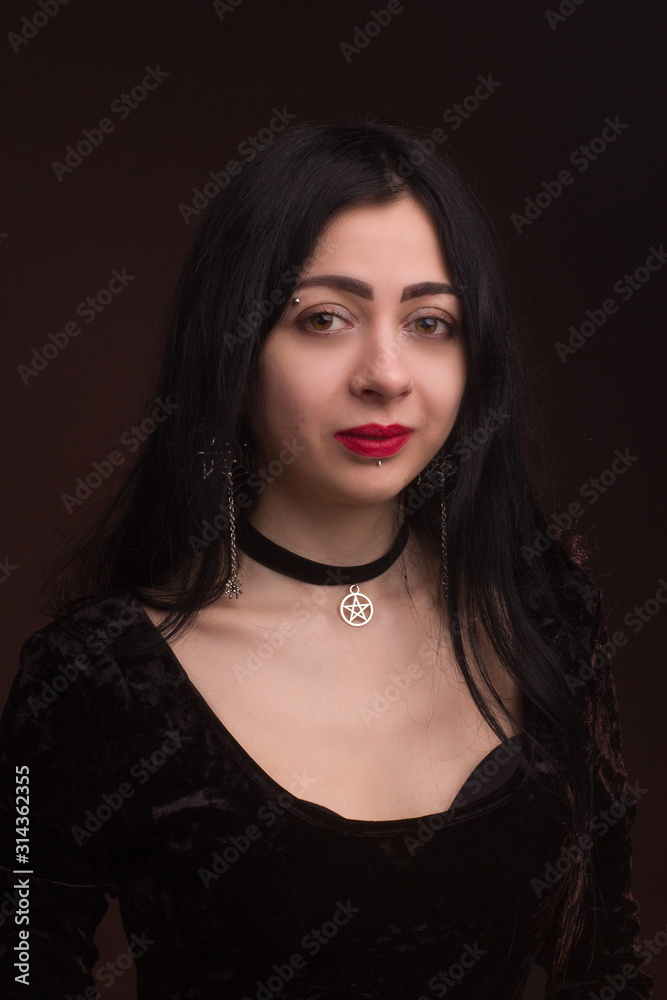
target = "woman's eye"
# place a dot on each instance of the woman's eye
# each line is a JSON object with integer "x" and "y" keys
{"x": 320, "y": 322}
{"x": 324, "y": 320}
{"x": 428, "y": 326}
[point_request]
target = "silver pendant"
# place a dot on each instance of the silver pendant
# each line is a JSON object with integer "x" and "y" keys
{"x": 355, "y": 608}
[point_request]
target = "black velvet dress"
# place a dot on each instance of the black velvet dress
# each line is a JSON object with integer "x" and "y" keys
{"x": 231, "y": 888}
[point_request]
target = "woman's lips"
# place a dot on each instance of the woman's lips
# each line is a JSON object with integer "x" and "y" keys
{"x": 374, "y": 446}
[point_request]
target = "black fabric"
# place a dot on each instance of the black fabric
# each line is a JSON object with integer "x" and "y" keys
{"x": 277, "y": 558}
{"x": 231, "y": 887}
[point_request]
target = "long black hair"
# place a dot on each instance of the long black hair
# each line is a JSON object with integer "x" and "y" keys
{"x": 165, "y": 533}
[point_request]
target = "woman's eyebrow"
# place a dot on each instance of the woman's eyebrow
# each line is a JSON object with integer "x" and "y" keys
{"x": 365, "y": 291}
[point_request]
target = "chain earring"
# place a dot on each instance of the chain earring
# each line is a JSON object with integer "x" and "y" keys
{"x": 232, "y": 587}
{"x": 436, "y": 474}
{"x": 208, "y": 459}
{"x": 230, "y": 463}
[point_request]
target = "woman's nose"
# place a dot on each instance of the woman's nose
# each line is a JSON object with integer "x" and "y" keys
{"x": 382, "y": 367}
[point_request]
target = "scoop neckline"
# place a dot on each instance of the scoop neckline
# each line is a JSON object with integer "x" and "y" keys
{"x": 320, "y": 815}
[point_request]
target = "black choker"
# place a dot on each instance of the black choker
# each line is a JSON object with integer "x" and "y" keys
{"x": 355, "y": 608}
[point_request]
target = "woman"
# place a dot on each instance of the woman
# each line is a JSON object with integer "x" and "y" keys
{"x": 324, "y": 716}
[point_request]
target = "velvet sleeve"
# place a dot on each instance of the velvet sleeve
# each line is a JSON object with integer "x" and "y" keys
{"x": 605, "y": 956}
{"x": 48, "y": 733}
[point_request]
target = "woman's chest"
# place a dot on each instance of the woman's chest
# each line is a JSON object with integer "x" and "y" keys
{"x": 387, "y": 730}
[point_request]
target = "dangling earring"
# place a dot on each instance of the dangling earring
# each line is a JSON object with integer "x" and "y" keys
{"x": 232, "y": 587}
{"x": 436, "y": 472}
{"x": 208, "y": 462}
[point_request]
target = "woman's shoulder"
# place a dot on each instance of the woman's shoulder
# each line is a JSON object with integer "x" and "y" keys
{"x": 580, "y": 594}
{"x": 99, "y": 641}
{"x": 567, "y": 605}
{"x": 76, "y": 620}
{"x": 579, "y": 578}
{"x": 87, "y": 679}
{"x": 570, "y": 583}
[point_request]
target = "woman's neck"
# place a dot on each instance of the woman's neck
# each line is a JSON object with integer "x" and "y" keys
{"x": 352, "y": 537}
{"x": 335, "y": 536}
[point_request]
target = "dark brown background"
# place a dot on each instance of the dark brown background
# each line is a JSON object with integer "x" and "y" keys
{"x": 119, "y": 208}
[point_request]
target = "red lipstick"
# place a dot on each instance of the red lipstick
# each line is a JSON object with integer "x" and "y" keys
{"x": 375, "y": 440}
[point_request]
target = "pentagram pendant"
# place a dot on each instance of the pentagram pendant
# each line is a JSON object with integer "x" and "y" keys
{"x": 355, "y": 608}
